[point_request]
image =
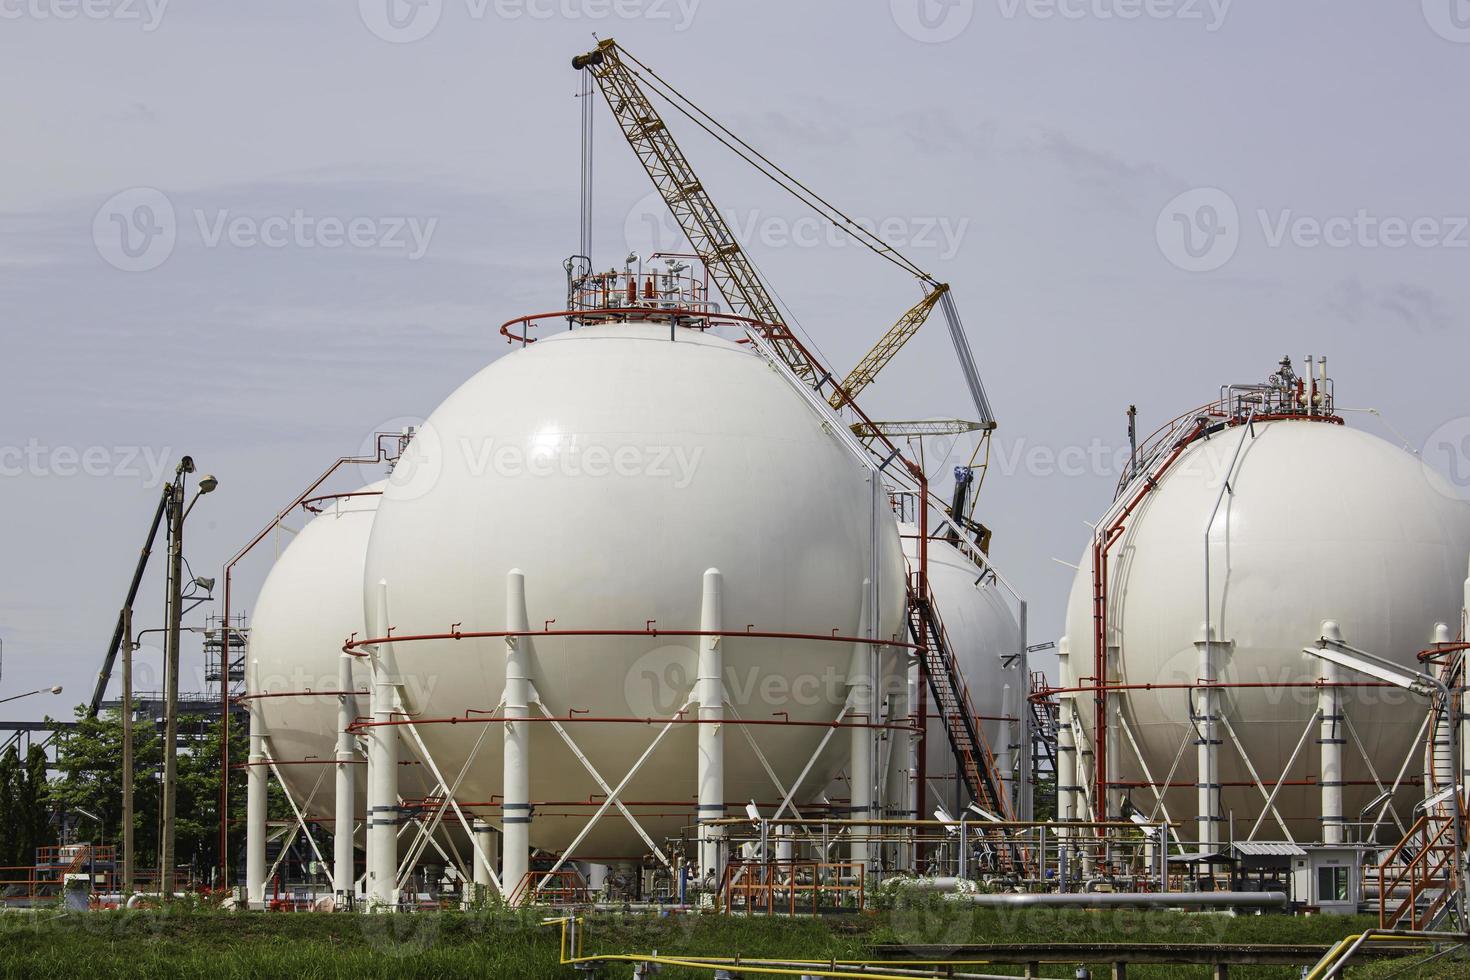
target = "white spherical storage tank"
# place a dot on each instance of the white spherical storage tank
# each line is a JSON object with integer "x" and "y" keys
{"x": 612, "y": 466}
{"x": 1319, "y": 522}
{"x": 309, "y": 606}
{"x": 982, "y": 630}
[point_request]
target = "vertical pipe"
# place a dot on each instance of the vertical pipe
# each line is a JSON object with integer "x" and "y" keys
{"x": 1066, "y": 753}
{"x": 1114, "y": 675}
{"x": 1330, "y": 743}
{"x": 127, "y": 751}
{"x": 1004, "y": 757}
{"x": 711, "y": 765}
{"x": 516, "y": 788}
{"x": 1458, "y": 680}
{"x": 1207, "y": 746}
{"x": 256, "y": 784}
{"x": 484, "y": 845}
{"x": 382, "y": 799}
{"x": 344, "y": 861}
{"x": 860, "y": 763}
{"x": 1025, "y": 797}
{"x": 900, "y": 752}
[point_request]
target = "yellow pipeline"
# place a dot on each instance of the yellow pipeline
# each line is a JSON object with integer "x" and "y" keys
{"x": 1327, "y": 963}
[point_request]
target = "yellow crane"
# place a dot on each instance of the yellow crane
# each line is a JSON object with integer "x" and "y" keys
{"x": 888, "y": 345}
{"x": 622, "y": 80}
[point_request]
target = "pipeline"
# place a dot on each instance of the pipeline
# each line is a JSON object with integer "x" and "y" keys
{"x": 1109, "y": 900}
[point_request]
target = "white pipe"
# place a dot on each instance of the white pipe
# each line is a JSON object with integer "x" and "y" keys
{"x": 711, "y": 768}
{"x": 343, "y": 853}
{"x": 1094, "y": 900}
{"x": 1330, "y": 742}
{"x": 860, "y": 762}
{"x": 1207, "y": 753}
{"x": 516, "y": 789}
{"x": 1066, "y": 750}
{"x": 256, "y": 799}
{"x": 1007, "y": 741}
{"x": 484, "y": 848}
{"x": 1114, "y": 675}
{"x": 382, "y": 798}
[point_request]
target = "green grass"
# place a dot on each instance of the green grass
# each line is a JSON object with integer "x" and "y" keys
{"x": 188, "y": 943}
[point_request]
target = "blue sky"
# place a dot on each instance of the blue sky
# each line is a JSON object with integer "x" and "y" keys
{"x": 1135, "y": 202}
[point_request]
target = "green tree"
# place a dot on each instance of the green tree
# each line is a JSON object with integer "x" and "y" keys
{"x": 9, "y": 781}
{"x": 32, "y": 817}
{"x": 25, "y": 807}
{"x": 89, "y": 767}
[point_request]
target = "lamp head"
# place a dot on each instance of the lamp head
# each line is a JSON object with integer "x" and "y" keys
{"x": 208, "y": 483}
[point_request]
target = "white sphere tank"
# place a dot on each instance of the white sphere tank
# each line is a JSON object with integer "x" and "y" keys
{"x": 1324, "y": 522}
{"x": 613, "y": 465}
{"x": 982, "y": 629}
{"x": 309, "y": 605}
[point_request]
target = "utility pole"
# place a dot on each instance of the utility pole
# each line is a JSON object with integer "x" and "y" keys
{"x": 127, "y": 750}
{"x": 166, "y": 859}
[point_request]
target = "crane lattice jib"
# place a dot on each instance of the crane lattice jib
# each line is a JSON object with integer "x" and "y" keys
{"x": 890, "y": 344}
{"x": 918, "y": 427}
{"x": 710, "y": 236}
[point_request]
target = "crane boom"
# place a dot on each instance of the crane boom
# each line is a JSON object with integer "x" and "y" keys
{"x": 888, "y": 345}
{"x": 710, "y": 236}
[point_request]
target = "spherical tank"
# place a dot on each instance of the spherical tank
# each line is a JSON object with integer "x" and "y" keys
{"x": 1319, "y": 522}
{"x": 309, "y": 606}
{"x": 613, "y": 465}
{"x": 982, "y": 630}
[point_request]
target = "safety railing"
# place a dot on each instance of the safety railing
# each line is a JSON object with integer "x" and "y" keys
{"x": 794, "y": 887}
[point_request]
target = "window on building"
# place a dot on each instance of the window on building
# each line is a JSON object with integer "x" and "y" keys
{"x": 1332, "y": 884}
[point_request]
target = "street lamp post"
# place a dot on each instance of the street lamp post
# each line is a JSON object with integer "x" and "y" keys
{"x": 177, "y": 513}
{"x": 127, "y": 750}
{"x": 40, "y": 690}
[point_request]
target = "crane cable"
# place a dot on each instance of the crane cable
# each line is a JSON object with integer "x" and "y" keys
{"x": 785, "y": 181}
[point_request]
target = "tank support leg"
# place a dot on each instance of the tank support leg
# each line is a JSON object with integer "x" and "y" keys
{"x": 516, "y": 790}
{"x": 1331, "y": 737}
{"x": 382, "y": 800}
{"x": 256, "y": 787}
{"x": 484, "y": 854}
{"x": 860, "y": 766}
{"x": 711, "y": 768}
{"x": 345, "y": 817}
{"x": 1207, "y": 746}
{"x": 1066, "y": 759}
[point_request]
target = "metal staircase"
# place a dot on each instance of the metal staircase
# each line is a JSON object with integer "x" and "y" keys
{"x": 1418, "y": 879}
{"x": 1045, "y": 719}
{"x": 957, "y": 714}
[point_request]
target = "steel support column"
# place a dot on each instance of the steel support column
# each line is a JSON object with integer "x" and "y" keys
{"x": 711, "y": 766}
{"x": 382, "y": 799}
{"x": 516, "y": 788}
{"x": 344, "y": 857}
